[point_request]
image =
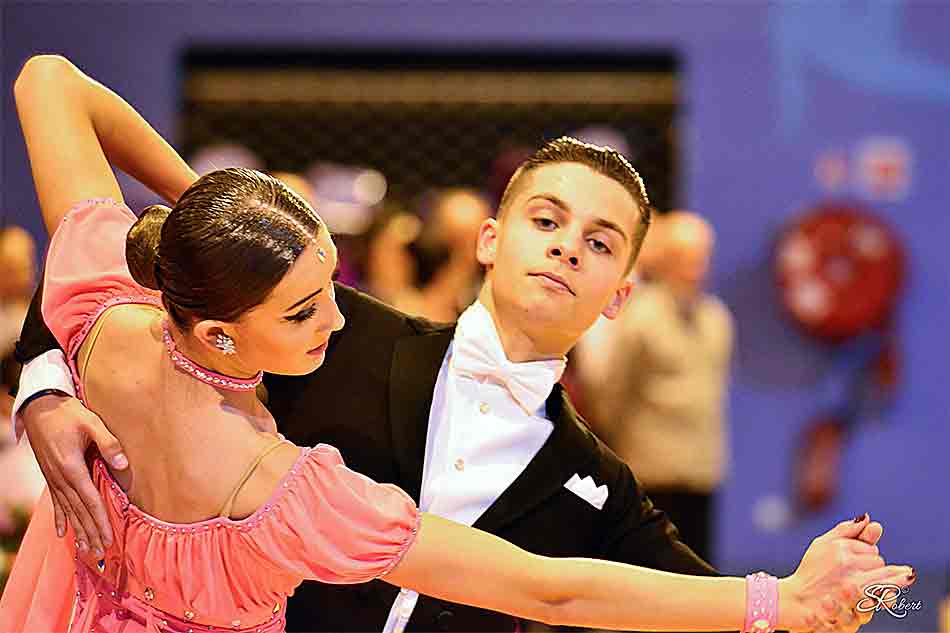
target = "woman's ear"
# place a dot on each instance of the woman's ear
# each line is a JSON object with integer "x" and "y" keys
{"x": 215, "y": 336}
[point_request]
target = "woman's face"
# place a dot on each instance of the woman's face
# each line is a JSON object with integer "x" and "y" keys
{"x": 289, "y": 331}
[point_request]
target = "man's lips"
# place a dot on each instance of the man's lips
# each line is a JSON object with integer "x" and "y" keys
{"x": 556, "y": 279}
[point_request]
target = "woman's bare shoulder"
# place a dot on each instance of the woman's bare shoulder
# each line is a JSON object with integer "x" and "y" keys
{"x": 121, "y": 328}
{"x": 264, "y": 481}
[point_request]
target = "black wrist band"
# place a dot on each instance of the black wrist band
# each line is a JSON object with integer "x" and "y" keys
{"x": 39, "y": 394}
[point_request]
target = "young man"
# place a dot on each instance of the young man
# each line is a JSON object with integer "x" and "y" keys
{"x": 468, "y": 419}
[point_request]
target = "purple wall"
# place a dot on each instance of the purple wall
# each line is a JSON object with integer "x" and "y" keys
{"x": 767, "y": 89}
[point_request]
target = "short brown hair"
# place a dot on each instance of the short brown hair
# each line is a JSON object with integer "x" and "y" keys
{"x": 604, "y": 160}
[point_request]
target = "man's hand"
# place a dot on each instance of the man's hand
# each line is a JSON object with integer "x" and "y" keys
{"x": 822, "y": 593}
{"x": 60, "y": 430}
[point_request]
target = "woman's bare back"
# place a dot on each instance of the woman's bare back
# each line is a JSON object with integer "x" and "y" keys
{"x": 188, "y": 444}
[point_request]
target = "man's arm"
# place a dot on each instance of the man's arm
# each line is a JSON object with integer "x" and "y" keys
{"x": 43, "y": 368}
{"x": 35, "y": 338}
{"x": 60, "y": 430}
{"x": 639, "y": 532}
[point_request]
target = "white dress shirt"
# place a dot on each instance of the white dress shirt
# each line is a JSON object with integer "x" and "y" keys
{"x": 46, "y": 371}
{"x": 479, "y": 438}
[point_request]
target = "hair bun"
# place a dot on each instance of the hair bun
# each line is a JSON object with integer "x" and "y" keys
{"x": 141, "y": 245}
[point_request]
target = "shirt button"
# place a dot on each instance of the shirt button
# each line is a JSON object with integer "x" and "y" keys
{"x": 459, "y": 464}
{"x": 483, "y": 407}
{"x": 444, "y": 620}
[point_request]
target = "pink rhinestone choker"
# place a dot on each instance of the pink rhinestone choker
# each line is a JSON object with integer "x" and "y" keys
{"x": 203, "y": 374}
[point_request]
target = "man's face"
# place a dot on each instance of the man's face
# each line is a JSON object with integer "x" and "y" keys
{"x": 558, "y": 256}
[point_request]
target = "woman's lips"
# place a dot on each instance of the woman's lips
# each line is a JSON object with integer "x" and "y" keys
{"x": 316, "y": 351}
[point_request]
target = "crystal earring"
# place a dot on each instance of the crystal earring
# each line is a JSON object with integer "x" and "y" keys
{"x": 225, "y": 343}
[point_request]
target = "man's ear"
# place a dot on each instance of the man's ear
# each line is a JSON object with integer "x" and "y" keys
{"x": 620, "y": 299}
{"x": 487, "y": 241}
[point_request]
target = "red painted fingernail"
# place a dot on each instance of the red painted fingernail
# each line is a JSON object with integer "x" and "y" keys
{"x": 860, "y": 517}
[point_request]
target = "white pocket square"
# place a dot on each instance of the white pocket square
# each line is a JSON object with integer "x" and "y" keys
{"x": 588, "y": 491}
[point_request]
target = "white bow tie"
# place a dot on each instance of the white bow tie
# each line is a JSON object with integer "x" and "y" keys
{"x": 477, "y": 353}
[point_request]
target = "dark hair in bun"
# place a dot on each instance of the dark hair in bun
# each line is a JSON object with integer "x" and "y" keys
{"x": 228, "y": 242}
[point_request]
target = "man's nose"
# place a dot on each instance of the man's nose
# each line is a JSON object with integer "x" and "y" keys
{"x": 565, "y": 253}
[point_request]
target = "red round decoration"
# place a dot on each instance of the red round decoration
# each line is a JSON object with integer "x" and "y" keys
{"x": 839, "y": 269}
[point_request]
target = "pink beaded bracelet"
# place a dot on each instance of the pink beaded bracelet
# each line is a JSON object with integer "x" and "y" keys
{"x": 761, "y": 603}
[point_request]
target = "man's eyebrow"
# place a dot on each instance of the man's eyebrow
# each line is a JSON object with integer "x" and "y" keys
{"x": 550, "y": 197}
{"x": 611, "y": 226}
{"x": 601, "y": 222}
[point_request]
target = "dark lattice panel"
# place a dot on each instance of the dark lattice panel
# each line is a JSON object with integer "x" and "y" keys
{"x": 426, "y": 140}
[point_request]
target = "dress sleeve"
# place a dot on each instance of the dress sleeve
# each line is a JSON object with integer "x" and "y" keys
{"x": 86, "y": 270}
{"x": 336, "y": 525}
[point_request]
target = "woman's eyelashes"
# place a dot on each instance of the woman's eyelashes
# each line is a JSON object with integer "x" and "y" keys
{"x": 303, "y": 315}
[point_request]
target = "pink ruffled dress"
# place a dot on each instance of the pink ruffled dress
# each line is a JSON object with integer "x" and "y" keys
{"x": 323, "y": 521}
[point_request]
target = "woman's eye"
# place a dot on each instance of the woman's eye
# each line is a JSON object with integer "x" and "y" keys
{"x": 303, "y": 315}
{"x": 599, "y": 247}
{"x": 545, "y": 223}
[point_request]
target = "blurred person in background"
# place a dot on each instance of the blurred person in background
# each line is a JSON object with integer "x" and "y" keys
{"x": 22, "y": 479}
{"x": 655, "y": 379}
{"x": 449, "y": 273}
{"x": 386, "y": 268}
{"x": 17, "y": 283}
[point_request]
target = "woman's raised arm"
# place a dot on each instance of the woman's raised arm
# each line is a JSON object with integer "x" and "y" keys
{"x": 76, "y": 129}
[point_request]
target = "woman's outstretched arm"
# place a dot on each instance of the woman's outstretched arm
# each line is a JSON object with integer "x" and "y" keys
{"x": 76, "y": 129}
{"x": 460, "y": 564}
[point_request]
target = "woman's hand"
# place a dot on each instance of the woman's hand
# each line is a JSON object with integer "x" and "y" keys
{"x": 830, "y": 580}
